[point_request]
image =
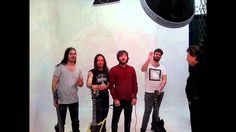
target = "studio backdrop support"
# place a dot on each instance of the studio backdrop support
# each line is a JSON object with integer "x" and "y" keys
{"x": 170, "y": 13}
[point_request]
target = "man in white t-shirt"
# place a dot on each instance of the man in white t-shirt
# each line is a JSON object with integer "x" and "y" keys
{"x": 155, "y": 81}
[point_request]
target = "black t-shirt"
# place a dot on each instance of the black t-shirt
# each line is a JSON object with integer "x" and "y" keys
{"x": 100, "y": 77}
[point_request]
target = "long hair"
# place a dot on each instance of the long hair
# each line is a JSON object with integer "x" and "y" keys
{"x": 66, "y": 54}
{"x": 105, "y": 68}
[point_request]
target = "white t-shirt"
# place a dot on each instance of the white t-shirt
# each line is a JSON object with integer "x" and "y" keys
{"x": 153, "y": 77}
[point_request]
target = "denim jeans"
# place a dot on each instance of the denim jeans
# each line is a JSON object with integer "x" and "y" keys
{"x": 149, "y": 106}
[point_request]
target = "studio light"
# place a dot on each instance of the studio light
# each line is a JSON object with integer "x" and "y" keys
{"x": 170, "y": 13}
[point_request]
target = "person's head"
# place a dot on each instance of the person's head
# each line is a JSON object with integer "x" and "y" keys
{"x": 122, "y": 57}
{"x": 157, "y": 54}
{"x": 194, "y": 55}
{"x": 100, "y": 62}
{"x": 69, "y": 56}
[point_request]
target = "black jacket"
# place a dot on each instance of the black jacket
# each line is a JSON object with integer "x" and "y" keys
{"x": 196, "y": 82}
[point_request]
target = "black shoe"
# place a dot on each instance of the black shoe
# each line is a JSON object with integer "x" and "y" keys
{"x": 159, "y": 127}
{"x": 57, "y": 128}
{"x": 142, "y": 130}
{"x": 153, "y": 128}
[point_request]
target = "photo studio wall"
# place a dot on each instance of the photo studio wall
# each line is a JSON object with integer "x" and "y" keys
{"x": 58, "y": 24}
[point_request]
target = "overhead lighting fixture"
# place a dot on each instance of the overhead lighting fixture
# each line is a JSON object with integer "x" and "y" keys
{"x": 170, "y": 13}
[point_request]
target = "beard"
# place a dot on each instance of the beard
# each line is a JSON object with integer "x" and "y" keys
{"x": 72, "y": 61}
{"x": 123, "y": 63}
{"x": 156, "y": 59}
{"x": 100, "y": 65}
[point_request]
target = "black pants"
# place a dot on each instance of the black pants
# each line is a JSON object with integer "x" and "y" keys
{"x": 102, "y": 107}
{"x": 126, "y": 105}
{"x": 195, "y": 115}
{"x": 74, "y": 115}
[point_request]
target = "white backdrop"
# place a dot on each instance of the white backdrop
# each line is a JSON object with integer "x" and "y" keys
{"x": 58, "y": 24}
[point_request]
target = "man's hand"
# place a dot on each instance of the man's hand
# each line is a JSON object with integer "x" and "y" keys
{"x": 55, "y": 99}
{"x": 134, "y": 101}
{"x": 117, "y": 102}
{"x": 55, "y": 103}
{"x": 150, "y": 55}
{"x": 95, "y": 87}
{"x": 79, "y": 82}
{"x": 102, "y": 87}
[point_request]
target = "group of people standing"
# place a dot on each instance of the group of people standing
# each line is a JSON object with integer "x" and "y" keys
{"x": 121, "y": 81}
